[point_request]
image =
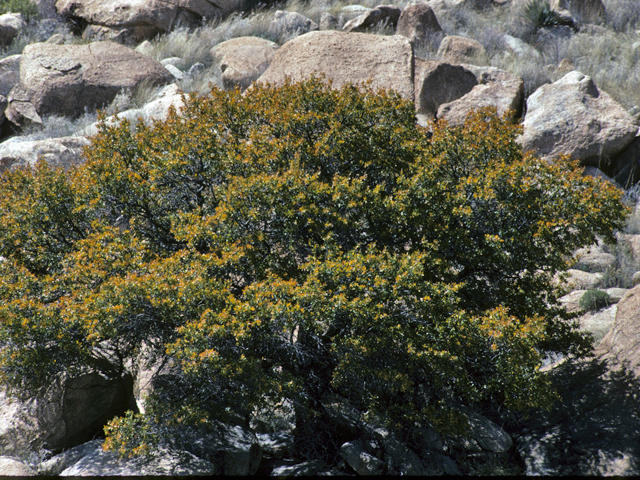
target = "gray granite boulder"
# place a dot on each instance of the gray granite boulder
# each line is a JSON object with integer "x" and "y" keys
{"x": 573, "y": 117}
{"x": 67, "y": 79}
{"x": 166, "y": 462}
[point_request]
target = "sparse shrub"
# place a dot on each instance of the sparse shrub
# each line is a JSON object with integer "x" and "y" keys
{"x": 594, "y": 300}
{"x": 623, "y": 15}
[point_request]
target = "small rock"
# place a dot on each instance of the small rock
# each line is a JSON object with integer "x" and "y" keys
{"x": 175, "y": 61}
{"x": 328, "y": 22}
{"x": 175, "y": 71}
{"x": 196, "y": 69}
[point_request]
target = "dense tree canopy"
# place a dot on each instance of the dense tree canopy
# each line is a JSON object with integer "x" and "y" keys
{"x": 300, "y": 243}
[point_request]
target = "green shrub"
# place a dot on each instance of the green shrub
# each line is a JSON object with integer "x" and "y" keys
{"x": 594, "y": 300}
{"x": 294, "y": 244}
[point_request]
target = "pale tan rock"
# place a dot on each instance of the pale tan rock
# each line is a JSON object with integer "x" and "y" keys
{"x": 594, "y": 259}
{"x": 243, "y": 59}
{"x": 350, "y": 12}
{"x": 63, "y": 152}
{"x": 579, "y": 280}
{"x": 573, "y": 117}
{"x": 170, "y": 97}
{"x": 621, "y": 345}
{"x": 346, "y": 58}
{"x": 454, "y": 49}
{"x": 598, "y": 323}
{"x": 66, "y": 79}
{"x": 418, "y": 23}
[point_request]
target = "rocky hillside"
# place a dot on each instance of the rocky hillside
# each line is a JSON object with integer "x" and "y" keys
{"x": 568, "y": 71}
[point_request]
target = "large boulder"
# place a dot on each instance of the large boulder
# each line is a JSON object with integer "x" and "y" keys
{"x": 418, "y": 23}
{"x": 360, "y": 460}
{"x": 487, "y": 434}
{"x": 573, "y": 117}
{"x": 67, "y": 79}
{"x": 134, "y": 20}
{"x": 9, "y": 73}
{"x": 234, "y": 449}
{"x": 381, "y": 15}
{"x": 346, "y": 58}
{"x": 454, "y": 49}
{"x": 11, "y": 467}
{"x": 11, "y": 24}
{"x": 438, "y": 83}
{"x": 496, "y": 88}
{"x": 598, "y": 322}
{"x": 243, "y": 59}
{"x": 61, "y": 152}
{"x": 66, "y": 415}
{"x": 401, "y": 460}
{"x": 581, "y": 280}
{"x": 621, "y": 346}
{"x": 594, "y": 259}
{"x": 167, "y": 462}
{"x": 290, "y": 24}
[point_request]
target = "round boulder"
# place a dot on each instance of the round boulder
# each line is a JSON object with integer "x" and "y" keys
{"x": 573, "y": 117}
{"x": 243, "y": 59}
{"x": 346, "y": 58}
{"x": 454, "y": 49}
{"x": 67, "y": 79}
